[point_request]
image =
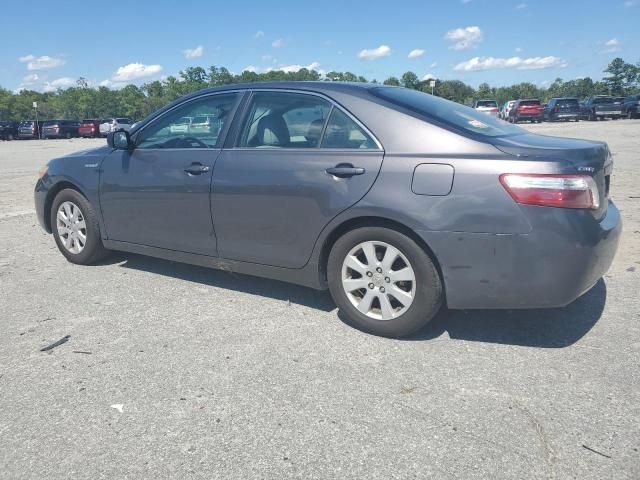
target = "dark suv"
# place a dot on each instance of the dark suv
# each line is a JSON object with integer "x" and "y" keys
{"x": 60, "y": 129}
{"x": 631, "y": 106}
{"x": 563, "y": 109}
{"x": 8, "y": 130}
{"x": 526, "y": 109}
{"x": 29, "y": 129}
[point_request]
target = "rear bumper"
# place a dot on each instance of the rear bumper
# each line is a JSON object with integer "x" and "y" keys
{"x": 563, "y": 256}
{"x": 564, "y": 116}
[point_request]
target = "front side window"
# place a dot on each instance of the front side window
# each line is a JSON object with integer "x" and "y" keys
{"x": 343, "y": 132}
{"x": 284, "y": 120}
{"x": 176, "y": 129}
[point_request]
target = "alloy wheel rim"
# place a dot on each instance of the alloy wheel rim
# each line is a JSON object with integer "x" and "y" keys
{"x": 71, "y": 226}
{"x": 378, "y": 280}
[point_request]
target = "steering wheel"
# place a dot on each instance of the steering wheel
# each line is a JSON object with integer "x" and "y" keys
{"x": 187, "y": 142}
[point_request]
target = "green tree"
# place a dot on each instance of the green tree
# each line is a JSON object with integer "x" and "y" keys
{"x": 410, "y": 80}
{"x": 392, "y": 81}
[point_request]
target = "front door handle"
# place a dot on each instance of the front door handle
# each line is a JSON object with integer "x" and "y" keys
{"x": 196, "y": 169}
{"x": 345, "y": 170}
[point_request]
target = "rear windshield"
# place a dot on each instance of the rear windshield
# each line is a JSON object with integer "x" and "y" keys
{"x": 123, "y": 120}
{"x": 50, "y": 122}
{"x": 27, "y": 123}
{"x": 618, "y": 100}
{"x": 529, "y": 102}
{"x": 451, "y": 114}
{"x": 602, "y": 100}
{"x": 486, "y": 103}
{"x": 567, "y": 101}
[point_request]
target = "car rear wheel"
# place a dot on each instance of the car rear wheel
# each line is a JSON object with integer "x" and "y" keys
{"x": 75, "y": 228}
{"x": 383, "y": 282}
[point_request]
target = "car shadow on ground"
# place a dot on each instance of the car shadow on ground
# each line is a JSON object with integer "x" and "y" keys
{"x": 544, "y": 328}
{"x": 275, "y": 289}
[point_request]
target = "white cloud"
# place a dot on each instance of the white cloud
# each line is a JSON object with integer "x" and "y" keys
{"x": 279, "y": 43}
{"x": 612, "y": 46}
{"x": 630, "y": 3}
{"x": 491, "y": 63}
{"x": 64, "y": 82}
{"x": 134, "y": 71}
{"x": 259, "y": 34}
{"x": 464, "y": 38}
{"x": 285, "y": 68}
{"x": 521, "y": 6}
{"x": 416, "y": 52}
{"x": 434, "y": 65}
{"x": 429, "y": 76}
{"x": 193, "y": 52}
{"x": 373, "y": 53}
{"x": 518, "y": 49}
{"x": 30, "y": 78}
{"x": 41, "y": 63}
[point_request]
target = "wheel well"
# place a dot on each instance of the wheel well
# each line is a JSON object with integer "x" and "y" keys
{"x": 51, "y": 194}
{"x": 359, "y": 222}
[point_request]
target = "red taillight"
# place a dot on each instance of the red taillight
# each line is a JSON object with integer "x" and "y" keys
{"x": 495, "y": 109}
{"x": 563, "y": 191}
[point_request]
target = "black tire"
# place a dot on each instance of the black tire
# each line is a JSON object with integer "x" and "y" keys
{"x": 93, "y": 250}
{"x": 67, "y": 135}
{"x": 9, "y": 137}
{"x": 428, "y": 295}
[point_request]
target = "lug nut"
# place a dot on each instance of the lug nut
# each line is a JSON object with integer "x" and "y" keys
{"x": 379, "y": 270}
{"x": 387, "y": 279}
{"x": 382, "y": 289}
{"x": 369, "y": 274}
{"x": 371, "y": 285}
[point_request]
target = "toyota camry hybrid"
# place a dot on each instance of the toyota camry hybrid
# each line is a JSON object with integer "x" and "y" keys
{"x": 396, "y": 200}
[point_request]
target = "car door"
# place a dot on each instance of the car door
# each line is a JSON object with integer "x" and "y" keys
{"x": 297, "y": 162}
{"x": 158, "y": 193}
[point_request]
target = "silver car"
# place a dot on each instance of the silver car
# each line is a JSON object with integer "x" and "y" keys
{"x": 112, "y": 124}
{"x": 397, "y": 201}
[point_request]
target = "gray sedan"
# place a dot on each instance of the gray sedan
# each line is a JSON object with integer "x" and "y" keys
{"x": 395, "y": 200}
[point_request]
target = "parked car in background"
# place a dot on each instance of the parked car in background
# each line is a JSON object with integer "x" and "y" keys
{"x": 319, "y": 186}
{"x": 526, "y": 109}
{"x": 600, "y": 107}
{"x": 60, "y": 129}
{"x": 506, "y": 108}
{"x": 181, "y": 125}
{"x": 563, "y": 109}
{"x": 30, "y": 129}
{"x": 8, "y": 129}
{"x": 631, "y": 106}
{"x": 112, "y": 124}
{"x": 90, "y": 128}
{"x": 490, "y": 107}
{"x": 205, "y": 125}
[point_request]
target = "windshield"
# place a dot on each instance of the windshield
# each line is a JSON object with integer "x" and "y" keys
{"x": 602, "y": 100}
{"x": 451, "y": 114}
{"x": 486, "y": 103}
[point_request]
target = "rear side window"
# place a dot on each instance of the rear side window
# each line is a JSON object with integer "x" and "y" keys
{"x": 284, "y": 120}
{"x": 450, "y": 114}
{"x": 343, "y": 132}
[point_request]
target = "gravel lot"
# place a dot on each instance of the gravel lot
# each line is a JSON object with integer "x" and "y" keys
{"x": 228, "y": 376}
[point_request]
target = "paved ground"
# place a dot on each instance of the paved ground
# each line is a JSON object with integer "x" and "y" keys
{"x": 182, "y": 372}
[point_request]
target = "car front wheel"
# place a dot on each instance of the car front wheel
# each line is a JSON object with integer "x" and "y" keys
{"x": 383, "y": 282}
{"x": 75, "y": 228}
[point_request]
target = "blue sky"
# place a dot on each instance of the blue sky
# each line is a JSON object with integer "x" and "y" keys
{"x": 497, "y": 41}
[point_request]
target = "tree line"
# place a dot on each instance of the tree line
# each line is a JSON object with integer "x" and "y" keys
{"x": 83, "y": 101}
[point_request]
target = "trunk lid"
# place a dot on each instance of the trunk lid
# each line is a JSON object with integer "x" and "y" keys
{"x": 586, "y": 157}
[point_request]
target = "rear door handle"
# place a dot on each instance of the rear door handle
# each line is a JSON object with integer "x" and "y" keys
{"x": 196, "y": 169}
{"x": 345, "y": 170}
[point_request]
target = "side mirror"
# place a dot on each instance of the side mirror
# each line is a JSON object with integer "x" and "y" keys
{"x": 119, "y": 140}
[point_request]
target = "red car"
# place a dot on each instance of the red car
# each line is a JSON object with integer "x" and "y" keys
{"x": 529, "y": 109}
{"x": 90, "y": 128}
